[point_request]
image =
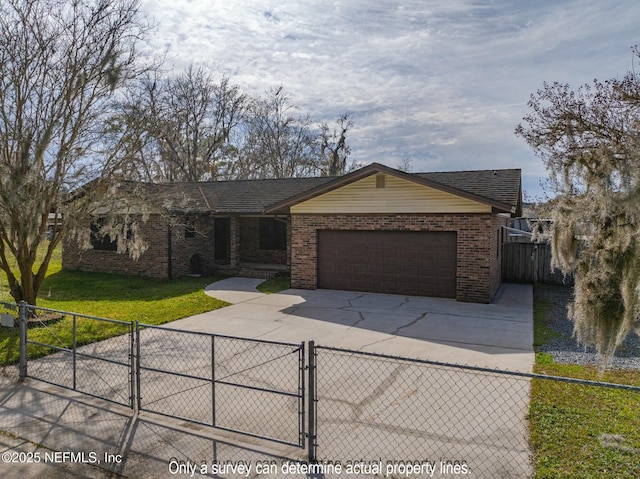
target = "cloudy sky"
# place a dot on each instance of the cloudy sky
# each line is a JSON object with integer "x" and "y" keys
{"x": 441, "y": 82}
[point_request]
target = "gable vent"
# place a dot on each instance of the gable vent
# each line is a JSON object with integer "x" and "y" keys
{"x": 380, "y": 181}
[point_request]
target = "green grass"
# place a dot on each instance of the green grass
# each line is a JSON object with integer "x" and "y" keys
{"x": 275, "y": 285}
{"x": 579, "y": 431}
{"x": 542, "y": 333}
{"x": 125, "y": 298}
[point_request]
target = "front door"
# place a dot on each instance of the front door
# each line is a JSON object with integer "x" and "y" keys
{"x": 222, "y": 240}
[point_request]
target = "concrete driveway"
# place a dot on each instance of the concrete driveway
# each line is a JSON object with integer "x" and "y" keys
{"x": 498, "y": 335}
{"x": 456, "y": 414}
{"x": 402, "y": 411}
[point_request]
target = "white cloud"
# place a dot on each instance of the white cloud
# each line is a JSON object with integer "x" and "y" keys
{"x": 442, "y": 82}
{"x": 444, "y": 141}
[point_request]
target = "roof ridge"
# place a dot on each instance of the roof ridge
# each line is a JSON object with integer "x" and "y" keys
{"x": 214, "y": 182}
{"x": 466, "y": 171}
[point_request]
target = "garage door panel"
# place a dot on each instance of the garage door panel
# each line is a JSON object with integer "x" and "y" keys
{"x": 376, "y": 269}
{"x": 399, "y": 262}
{"x": 358, "y": 255}
{"x": 343, "y": 253}
{"x": 375, "y": 254}
{"x": 407, "y": 255}
{"x": 343, "y": 268}
{"x": 359, "y": 268}
{"x": 390, "y": 254}
{"x": 390, "y": 270}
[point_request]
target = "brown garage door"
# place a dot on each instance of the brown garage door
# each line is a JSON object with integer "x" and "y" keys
{"x": 399, "y": 262}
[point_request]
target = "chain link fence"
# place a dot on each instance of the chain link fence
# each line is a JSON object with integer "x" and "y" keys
{"x": 387, "y": 416}
{"x": 386, "y": 412}
{"x": 230, "y": 383}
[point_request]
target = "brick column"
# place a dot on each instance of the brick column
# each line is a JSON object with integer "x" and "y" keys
{"x": 234, "y": 242}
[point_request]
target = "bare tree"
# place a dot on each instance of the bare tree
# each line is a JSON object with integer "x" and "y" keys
{"x": 333, "y": 147}
{"x": 405, "y": 164}
{"x": 189, "y": 128}
{"x": 181, "y": 127}
{"x": 589, "y": 140}
{"x": 130, "y": 126}
{"x": 277, "y": 143}
{"x": 61, "y": 63}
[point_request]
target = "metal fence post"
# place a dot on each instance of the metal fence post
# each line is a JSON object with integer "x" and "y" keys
{"x": 313, "y": 433}
{"x": 132, "y": 365}
{"x": 302, "y": 379}
{"x": 23, "y": 318}
{"x": 73, "y": 353}
{"x": 137, "y": 373}
{"x": 213, "y": 380}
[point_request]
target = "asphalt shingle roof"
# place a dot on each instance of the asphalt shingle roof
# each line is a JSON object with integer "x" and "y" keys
{"x": 497, "y": 185}
{"x": 224, "y": 197}
{"x": 254, "y": 196}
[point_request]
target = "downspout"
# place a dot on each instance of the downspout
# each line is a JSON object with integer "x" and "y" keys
{"x": 169, "y": 271}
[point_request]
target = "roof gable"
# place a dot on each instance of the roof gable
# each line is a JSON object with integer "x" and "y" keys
{"x": 498, "y": 189}
{"x": 382, "y": 193}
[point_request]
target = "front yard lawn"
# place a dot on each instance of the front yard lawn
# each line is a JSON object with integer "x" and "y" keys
{"x": 125, "y": 298}
{"x": 275, "y": 285}
{"x": 578, "y": 430}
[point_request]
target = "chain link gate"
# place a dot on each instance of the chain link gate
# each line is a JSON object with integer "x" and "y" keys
{"x": 102, "y": 369}
{"x": 247, "y": 386}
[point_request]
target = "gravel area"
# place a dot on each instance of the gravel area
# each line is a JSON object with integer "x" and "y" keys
{"x": 564, "y": 348}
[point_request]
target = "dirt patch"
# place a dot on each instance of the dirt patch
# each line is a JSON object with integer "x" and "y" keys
{"x": 44, "y": 319}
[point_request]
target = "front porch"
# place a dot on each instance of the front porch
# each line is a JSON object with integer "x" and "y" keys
{"x": 253, "y": 246}
{"x": 255, "y": 270}
{"x": 262, "y": 270}
{"x": 256, "y": 246}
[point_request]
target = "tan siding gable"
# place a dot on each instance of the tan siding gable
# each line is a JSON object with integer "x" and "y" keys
{"x": 398, "y": 196}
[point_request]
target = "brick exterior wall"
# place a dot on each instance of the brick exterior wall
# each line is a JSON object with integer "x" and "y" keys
{"x": 478, "y": 235}
{"x": 479, "y": 264}
{"x": 496, "y": 252}
{"x": 154, "y": 261}
{"x": 201, "y": 244}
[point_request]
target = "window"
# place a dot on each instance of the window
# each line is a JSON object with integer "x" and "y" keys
{"x": 189, "y": 230}
{"x": 101, "y": 242}
{"x": 273, "y": 234}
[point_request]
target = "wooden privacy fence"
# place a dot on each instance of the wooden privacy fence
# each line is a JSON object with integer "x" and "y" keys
{"x": 530, "y": 263}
